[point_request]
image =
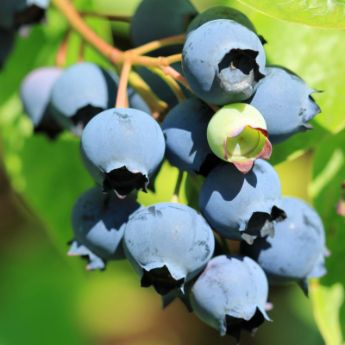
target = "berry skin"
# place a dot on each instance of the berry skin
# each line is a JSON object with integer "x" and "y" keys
{"x": 168, "y": 244}
{"x": 156, "y": 19}
{"x": 220, "y": 12}
{"x": 223, "y": 61}
{"x": 241, "y": 206}
{"x": 126, "y": 146}
{"x": 286, "y": 103}
{"x": 231, "y": 294}
{"x": 35, "y": 95}
{"x": 7, "y": 38}
{"x": 185, "y": 133}
{"x": 99, "y": 222}
{"x": 237, "y": 134}
{"x": 297, "y": 250}
{"x": 82, "y": 91}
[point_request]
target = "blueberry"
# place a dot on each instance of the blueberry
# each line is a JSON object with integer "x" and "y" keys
{"x": 297, "y": 250}
{"x": 221, "y": 12}
{"x": 241, "y": 206}
{"x": 156, "y": 19}
{"x": 185, "y": 132}
{"x": 231, "y": 294}
{"x": 14, "y": 13}
{"x": 82, "y": 91}
{"x": 223, "y": 61}
{"x": 285, "y": 102}
{"x": 98, "y": 222}
{"x": 7, "y": 39}
{"x": 168, "y": 244}
{"x": 35, "y": 95}
{"x": 237, "y": 134}
{"x": 126, "y": 146}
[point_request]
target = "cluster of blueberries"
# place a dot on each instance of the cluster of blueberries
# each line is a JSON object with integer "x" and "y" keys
{"x": 224, "y": 130}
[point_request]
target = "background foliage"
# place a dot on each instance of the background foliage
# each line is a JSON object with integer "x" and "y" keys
{"x": 48, "y": 297}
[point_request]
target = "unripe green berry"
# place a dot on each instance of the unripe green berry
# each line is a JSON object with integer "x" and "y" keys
{"x": 237, "y": 133}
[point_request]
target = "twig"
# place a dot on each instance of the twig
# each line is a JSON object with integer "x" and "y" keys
{"x": 61, "y": 54}
{"x": 122, "y": 94}
{"x": 115, "y": 18}
{"x": 154, "y": 45}
{"x": 173, "y": 85}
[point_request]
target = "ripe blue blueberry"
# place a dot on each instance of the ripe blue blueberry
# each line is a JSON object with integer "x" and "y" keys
{"x": 185, "y": 129}
{"x": 156, "y": 19}
{"x": 98, "y": 222}
{"x": 240, "y": 206}
{"x": 297, "y": 250}
{"x": 223, "y": 61}
{"x": 231, "y": 295}
{"x": 126, "y": 146}
{"x": 221, "y": 12}
{"x": 7, "y": 38}
{"x": 35, "y": 95}
{"x": 168, "y": 244}
{"x": 286, "y": 103}
{"x": 82, "y": 91}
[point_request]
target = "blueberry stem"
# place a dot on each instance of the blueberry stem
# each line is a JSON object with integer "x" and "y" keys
{"x": 115, "y": 18}
{"x": 61, "y": 54}
{"x": 156, "y": 105}
{"x": 117, "y": 56}
{"x": 154, "y": 45}
{"x": 172, "y": 83}
{"x": 122, "y": 96}
{"x": 112, "y": 53}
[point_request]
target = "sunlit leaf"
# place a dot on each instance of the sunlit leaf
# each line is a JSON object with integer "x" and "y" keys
{"x": 319, "y": 13}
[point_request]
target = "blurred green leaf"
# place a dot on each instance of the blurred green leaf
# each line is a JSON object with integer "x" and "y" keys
{"x": 298, "y": 144}
{"x": 164, "y": 187}
{"x": 327, "y": 302}
{"x": 325, "y": 190}
{"x": 37, "y": 290}
{"x": 319, "y": 13}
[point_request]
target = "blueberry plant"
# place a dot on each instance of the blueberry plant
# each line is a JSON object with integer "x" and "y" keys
{"x": 195, "y": 90}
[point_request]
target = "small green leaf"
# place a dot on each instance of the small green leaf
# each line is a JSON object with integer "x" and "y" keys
{"x": 325, "y": 191}
{"x": 327, "y": 302}
{"x": 318, "y": 13}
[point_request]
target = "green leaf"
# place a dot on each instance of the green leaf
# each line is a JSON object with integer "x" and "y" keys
{"x": 316, "y": 55}
{"x": 327, "y": 302}
{"x": 325, "y": 190}
{"x": 298, "y": 144}
{"x": 318, "y": 13}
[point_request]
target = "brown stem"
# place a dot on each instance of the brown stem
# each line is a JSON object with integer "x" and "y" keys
{"x": 176, "y": 75}
{"x": 154, "y": 45}
{"x": 61, "y": 54}
{"x": 111, "y": 53}
{"x": 81, "y": 51}
{"x": 122, "y": 94}
{"x": 115, "y": 18}
{"x": 172, "y": 83}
